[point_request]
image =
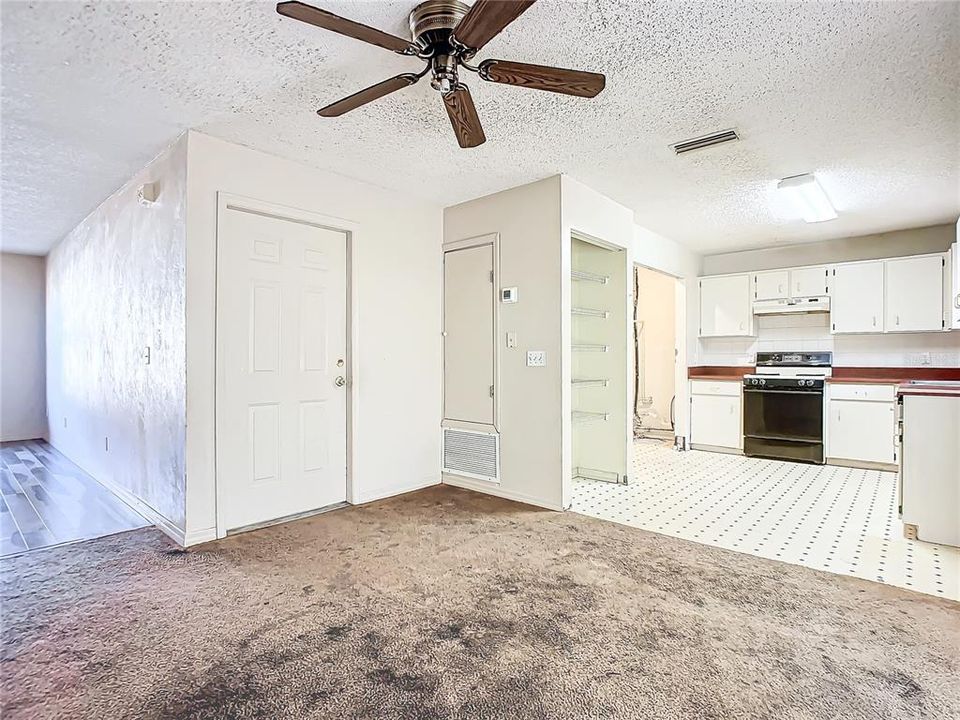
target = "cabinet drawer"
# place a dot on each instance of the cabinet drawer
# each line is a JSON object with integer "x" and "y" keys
{"x": 849, "y": 391}
{"x": 715, "y": 387}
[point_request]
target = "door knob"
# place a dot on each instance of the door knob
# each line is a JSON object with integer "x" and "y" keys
{"x": 340, "y": 381}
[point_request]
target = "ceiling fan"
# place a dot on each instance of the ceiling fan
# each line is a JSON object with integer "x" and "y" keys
{"x": 446, "y": 35}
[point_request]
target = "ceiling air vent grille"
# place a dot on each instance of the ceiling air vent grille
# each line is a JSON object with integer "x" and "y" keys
{"x": 470, "y": 453}
{"x": 724, "y": 136}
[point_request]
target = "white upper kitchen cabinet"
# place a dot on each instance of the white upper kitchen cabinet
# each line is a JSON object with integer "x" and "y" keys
{"x": 856, "y": 304}
{"x": 808, "y": 282}
{"x": 725, "y": 306}
{"x": 955, "y": 284}
{"x": 914, "y": 297}
{"x": 773, "y": 285}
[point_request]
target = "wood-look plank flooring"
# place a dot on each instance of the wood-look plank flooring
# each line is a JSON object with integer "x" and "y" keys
{"x": 47, "y": 500}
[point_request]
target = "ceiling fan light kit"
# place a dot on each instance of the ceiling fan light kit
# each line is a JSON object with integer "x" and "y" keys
{"x": 446, "y": 35}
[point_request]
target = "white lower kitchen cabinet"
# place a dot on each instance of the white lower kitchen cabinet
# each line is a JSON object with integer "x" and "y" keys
{"x": 716, "y": 414}
{"x": 862, "y": 424}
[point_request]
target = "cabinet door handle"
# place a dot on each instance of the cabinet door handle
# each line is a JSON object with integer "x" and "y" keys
{"x": 874, "y": 320}
{"x": 898, "y": 319}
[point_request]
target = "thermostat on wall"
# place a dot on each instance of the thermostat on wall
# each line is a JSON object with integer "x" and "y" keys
{"x": 508, "y": 295}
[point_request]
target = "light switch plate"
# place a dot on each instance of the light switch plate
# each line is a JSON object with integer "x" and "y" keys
{"x": 511, "y": 339}
{"x": 536, "y": 358}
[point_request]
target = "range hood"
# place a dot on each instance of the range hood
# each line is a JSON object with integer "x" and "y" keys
{"x": 798, "y": 306}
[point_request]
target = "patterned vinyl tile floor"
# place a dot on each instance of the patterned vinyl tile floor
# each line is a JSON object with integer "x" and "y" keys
{"x": 841, "y": 520}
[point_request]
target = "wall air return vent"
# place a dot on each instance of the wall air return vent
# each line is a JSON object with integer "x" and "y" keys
{"x": 697, "y": 143}
{"x": 471, "y": 453}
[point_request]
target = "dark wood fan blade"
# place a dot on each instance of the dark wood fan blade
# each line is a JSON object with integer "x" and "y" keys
{"x": 329, "y": 21}
{"x": 486, "y": 19}
{"x": 463, "y": 117}
{"x": 352, "y": 102}
{"x": 542, "y": 77}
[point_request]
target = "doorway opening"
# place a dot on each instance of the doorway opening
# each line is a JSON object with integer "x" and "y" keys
{"x": 655, "y": 308}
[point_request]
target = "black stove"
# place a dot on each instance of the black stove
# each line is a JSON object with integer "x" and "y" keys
{"x": 783, "y": 406}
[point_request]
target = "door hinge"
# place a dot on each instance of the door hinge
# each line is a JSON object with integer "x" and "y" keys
{"x": 491, "y": 276}
{"x": 491, "y": 391}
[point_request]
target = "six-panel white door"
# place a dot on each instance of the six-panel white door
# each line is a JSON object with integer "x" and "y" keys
{"x": 281, "y": 368}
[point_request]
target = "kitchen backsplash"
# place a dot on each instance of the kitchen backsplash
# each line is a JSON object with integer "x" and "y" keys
{"x": 783, "y": 333}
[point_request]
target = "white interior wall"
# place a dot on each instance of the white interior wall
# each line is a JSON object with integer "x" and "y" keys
{"x": 915, "y": 241}
{"x": 399, "y": 271}
{"x": 527, "y": 220}
{"x": 115, "y": 286}
{"x": 23, "y": 408}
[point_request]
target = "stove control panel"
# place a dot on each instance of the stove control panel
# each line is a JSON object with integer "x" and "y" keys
{"x": 782, "y": 383}
{"x": 795, "y": 359}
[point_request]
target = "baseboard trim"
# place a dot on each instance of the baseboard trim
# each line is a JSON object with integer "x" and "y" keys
{"x": 862, "y": 464}
{"x": 197, "y": 537}
{"x": 401, "y": 490}
{"x": 164, "y": 524}
{"x": 717, "y": 449}
{"x": 492, "y": 489}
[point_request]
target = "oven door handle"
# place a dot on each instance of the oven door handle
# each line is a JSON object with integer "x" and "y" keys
{"x": 785, "y": 392}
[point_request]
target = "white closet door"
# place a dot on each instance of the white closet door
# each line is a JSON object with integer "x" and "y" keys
{"x": 281, "y": 347}
{"x": 468, "y": 342}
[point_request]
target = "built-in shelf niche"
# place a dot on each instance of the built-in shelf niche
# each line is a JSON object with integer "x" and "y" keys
{"x": 598, "y": 310}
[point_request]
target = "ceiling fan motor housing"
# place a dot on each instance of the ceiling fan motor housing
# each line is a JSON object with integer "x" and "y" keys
{"x": 433, "y": 21}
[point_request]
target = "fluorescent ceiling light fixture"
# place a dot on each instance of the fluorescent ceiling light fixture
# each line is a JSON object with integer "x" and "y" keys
{"x": 809, "y": 199}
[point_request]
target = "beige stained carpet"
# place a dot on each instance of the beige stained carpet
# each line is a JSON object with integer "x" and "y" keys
{"x": 447, "y": 604}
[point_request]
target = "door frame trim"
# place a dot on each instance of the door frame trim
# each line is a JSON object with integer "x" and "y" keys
{"x": 492, "y": 239}
{"x": 230, "y": 201}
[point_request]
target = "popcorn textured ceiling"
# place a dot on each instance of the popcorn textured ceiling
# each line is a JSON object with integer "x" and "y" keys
{"x": 865, "y": 95}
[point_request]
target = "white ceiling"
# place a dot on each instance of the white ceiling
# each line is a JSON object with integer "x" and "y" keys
{"x": 865, "y": 95}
